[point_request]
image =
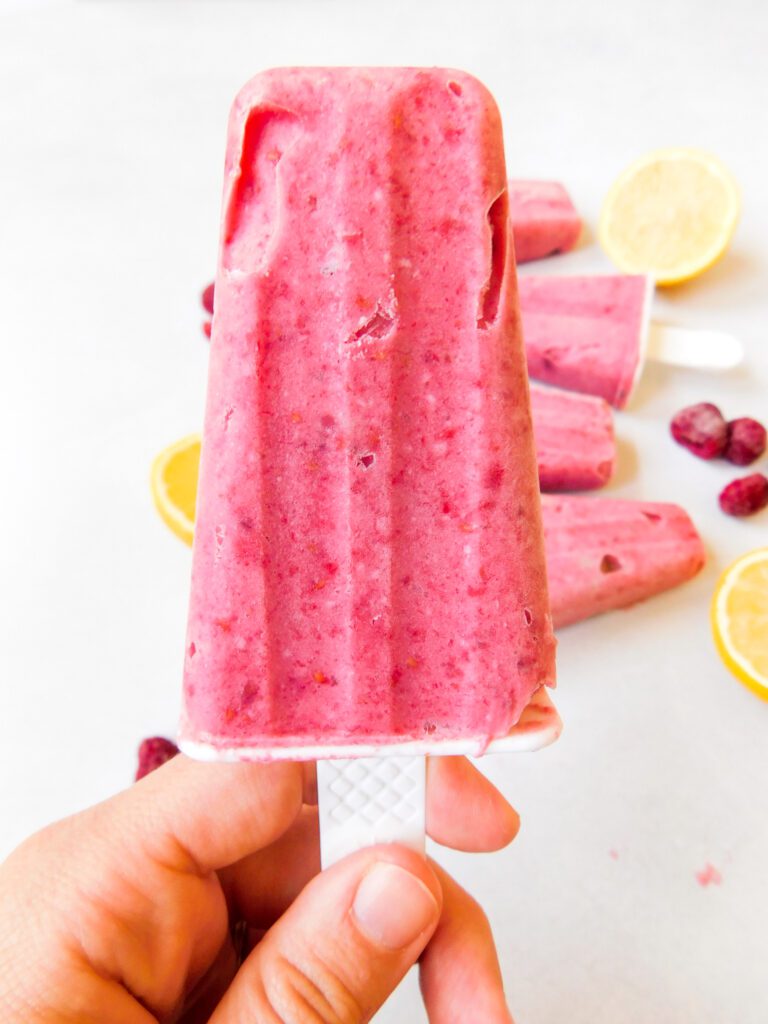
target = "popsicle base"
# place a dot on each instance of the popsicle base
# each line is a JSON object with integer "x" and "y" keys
{"x": 538, "y": 726}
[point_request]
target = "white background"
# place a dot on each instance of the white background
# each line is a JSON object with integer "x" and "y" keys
{"x": 112, "y": 119}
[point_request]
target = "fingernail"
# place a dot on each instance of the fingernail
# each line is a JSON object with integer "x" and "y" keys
{"x": 392, "y": 907}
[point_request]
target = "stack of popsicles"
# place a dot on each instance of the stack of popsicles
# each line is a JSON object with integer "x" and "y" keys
{"x": 589, "y": 335}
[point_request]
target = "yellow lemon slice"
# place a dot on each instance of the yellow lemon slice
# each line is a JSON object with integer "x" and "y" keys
{"x": 740, "y": 620}
{"x": 671, "y": 214}
{"x": 174, "y": 485}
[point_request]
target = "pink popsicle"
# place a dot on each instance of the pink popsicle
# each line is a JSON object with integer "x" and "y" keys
{"x": 586, "y": 333}
{"x": 604, "y": 553}
{"x": 575, "y": 443}
{"x": 544, "y": 220}
{"x": 368, "y": 562}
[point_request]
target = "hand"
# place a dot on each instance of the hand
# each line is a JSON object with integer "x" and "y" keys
{"x": 195, "y": 896}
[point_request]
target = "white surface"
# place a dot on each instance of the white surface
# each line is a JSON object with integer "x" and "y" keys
{"x": 112, "y": 123}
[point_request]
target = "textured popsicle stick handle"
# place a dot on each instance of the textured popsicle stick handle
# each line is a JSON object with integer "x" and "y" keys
{"x": 697, "y": 349}
{"x": 368, "y": 800}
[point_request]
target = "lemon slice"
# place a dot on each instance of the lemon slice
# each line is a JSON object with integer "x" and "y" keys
{"x": 671, "y": 214}
{"x": 174, "y": 485}
{"x": 740, "y": 620}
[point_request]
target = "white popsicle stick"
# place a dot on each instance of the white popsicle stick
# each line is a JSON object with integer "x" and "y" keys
{"x": 697, "y": 349}
{"x": 368, "y": 800}
{"x": 381, "y": 799}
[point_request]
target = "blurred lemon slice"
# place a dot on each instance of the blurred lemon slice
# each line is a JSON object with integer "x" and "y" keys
{"x": 740, "y": 620}
{"x": 174, "y": 485}
{"x": 671, "y": 214}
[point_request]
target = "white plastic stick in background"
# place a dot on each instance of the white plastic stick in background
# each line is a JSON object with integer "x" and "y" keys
{"x": 688, "y": 347}
{"x": 693, "y": 348}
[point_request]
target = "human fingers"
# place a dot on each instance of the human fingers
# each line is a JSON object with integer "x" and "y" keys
{"x": 261, "y": 887}
{"x": 343, "y": 945}
{"x": 464, "y": 810}
{"x": 129, "y": 887}
{"x": 200, "y": 817}
{"x": 459, "y": 972}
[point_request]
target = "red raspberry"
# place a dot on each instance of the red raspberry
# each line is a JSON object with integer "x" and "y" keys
{"x": 746, "y": 441}
{"x": 154, "y": 752}
{"x": 701, "y": 429}
{"x": 746, "y": 496}
{"x": 207, "y": 328}
{"x": 207, "y": 298}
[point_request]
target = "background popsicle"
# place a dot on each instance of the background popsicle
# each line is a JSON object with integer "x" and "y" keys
{"x": 585, "y": 333}
{"x": 544, "y": 220}
{"x": 575, "y": 443}
{"x": 368, "y": 560}
{"x": 605, "y": 553}
{"x": 593, "y": 334}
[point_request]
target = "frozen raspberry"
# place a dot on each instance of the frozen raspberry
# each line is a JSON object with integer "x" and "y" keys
{"x": 746, "y": 441}
{"x": 207, "y": 298}
{"x": 745, "y": 496}
{"x": 207, "y": 328}
{"x": 701, "y": 429}
{"x": 154, "y": 752}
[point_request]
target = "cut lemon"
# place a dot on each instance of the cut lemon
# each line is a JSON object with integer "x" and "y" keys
{"x": 671, "y": 214}
{"x": 740, "y": 620}
{"x": 174, "y": 485}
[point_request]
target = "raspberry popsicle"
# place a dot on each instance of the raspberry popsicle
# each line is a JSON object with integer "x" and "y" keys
{"x": 575, "y": 443}
{"x": 544, "y": 220}
{"x": 604, "y": 553}
{"x": 368, "y": 563}
{"x": 592, "y": 334}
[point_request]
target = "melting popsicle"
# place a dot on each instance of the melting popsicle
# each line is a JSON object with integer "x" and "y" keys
{"x": 368, "y": 563}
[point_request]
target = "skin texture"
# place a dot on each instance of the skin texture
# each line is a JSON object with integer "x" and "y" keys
{"x": 195, "y": 896}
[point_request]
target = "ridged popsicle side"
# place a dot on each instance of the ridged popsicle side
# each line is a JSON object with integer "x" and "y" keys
{"x": 368, "y": 559}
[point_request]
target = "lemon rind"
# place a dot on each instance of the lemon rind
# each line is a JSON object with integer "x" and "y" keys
{"x": 176, "y": 521}
{"x": 739, "y": 666}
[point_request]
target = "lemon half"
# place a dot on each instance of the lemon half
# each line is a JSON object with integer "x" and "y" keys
{"x": 671, "y": 214}
{"x": 174, "y": 485}
{"x": 740, "y": 620}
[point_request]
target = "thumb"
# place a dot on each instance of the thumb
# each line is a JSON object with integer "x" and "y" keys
{"x": 343, "y": 945}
